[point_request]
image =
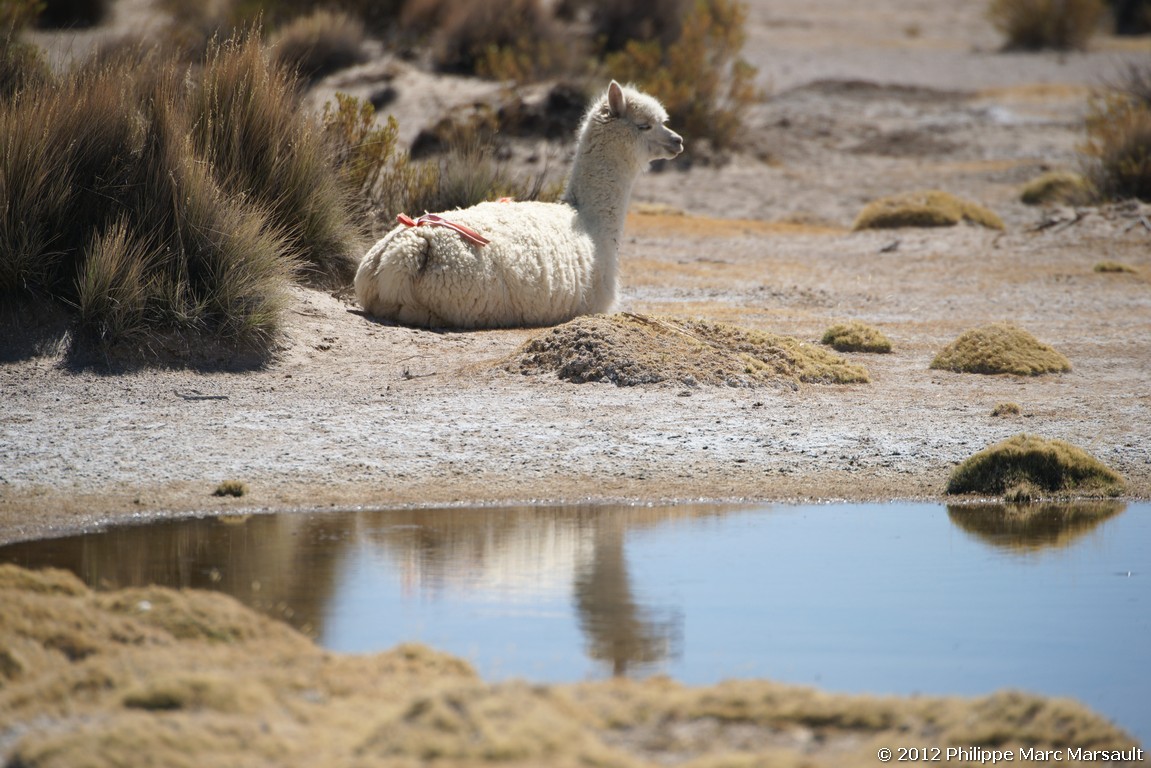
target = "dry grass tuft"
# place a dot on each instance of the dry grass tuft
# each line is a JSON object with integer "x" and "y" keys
{"x": 170, "y": 207}
{"x": 316, "y": 45}
{"x": 628, "y": 349}
{"x": 856, "y": 337}
{"x": 1025, "y": 467}
{"x": 493, "y": 39}
{"x": 1115, "y": 267}
{"x": 1000, "y": 348}
{"x": 1006, "y": 409}
{"x": 234, "y": 488}
{"x": 164, "y": 677}
{"x": 930, "y": 208}
{"x": 1035, "y": 24}
{"x": 1057, "y": 187}
{"x": 618, "y": 22}
{"x": 1118, "y": 147}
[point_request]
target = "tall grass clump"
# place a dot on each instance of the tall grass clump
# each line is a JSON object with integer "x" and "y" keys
{"x": 65, "y": 160}
{"x": 1025, "y": 464}
{"x": 21, "y": 63}
{"x": 701, "y": 78}
{"x": 1037, "y": 24}
{"x": 318, "y": 44}
{"x": 1118, "y": 148}
{"x": 168, "y": 206}
{"x": 262, "y": 146}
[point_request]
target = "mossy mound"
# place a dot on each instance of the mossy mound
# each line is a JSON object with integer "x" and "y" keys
{"x": 1006, "y": 409}
{"x": 1025, "y": 467}
{"x": 1115, "y": 268}
{"x": 1031, "y": 527}
{"x": 628, "y": 349}
{"x": 1056, "y": 187}
{"x": 856, "y": 337}
{"x": 929, "y": 208}
{"x": 1000, "y": 348}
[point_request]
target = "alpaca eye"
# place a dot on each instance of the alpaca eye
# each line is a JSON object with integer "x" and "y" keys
{"x": 644, "y": 127}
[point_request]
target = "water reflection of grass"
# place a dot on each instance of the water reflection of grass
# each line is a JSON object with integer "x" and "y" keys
{"x": 1032, "y": 527}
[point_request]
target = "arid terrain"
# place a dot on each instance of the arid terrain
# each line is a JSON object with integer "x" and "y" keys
{"x": 864, "y": 100}
{"x": 861, "y": 105}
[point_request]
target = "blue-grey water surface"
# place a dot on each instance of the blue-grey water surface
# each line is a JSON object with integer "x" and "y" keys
{"x": 878, "y": 598}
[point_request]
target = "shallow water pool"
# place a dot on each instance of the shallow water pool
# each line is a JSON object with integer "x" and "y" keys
{"x": 886, "y": 598}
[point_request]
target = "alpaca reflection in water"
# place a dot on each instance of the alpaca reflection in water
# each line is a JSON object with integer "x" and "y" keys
{"x": 527, "y": 551}
{"x": 618, "y": 630}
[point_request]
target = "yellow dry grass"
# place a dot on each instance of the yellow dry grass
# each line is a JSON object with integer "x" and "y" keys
{"x": 929, "y": 208}
{"x": 1026, "y": 467}
{"x": 658, "y": 220}
{"x": 185, "y": 678}
{"x": 1000, "y": 348}
{"x": 856, "y": 337}
{"x": 1056, "y": 187}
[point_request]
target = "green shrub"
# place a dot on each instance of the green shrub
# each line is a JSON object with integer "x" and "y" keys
{"x": 1118, "y": 145}
{"x": 1036, "y": 24}
{"x": 378, "y": 176}
{"x": 930, "y": 208}
{"x": 1022, "y": 463}
{"x": 702, "y": 80}
{"x": 1000, "y": 348}
{"x": 316, "y": 45}
{"x": 856, "y": 337}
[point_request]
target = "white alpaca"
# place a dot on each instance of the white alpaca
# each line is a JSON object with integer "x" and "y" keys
{"x": 544, "y": 263}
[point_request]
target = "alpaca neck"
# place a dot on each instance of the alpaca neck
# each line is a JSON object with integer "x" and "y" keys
{"x": 599, "y": 188}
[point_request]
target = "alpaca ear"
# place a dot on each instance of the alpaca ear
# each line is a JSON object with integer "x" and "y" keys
{"x": 615, "y": 99}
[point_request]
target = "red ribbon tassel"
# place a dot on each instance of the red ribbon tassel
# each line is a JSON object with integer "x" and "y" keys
{"x": 435, "y": 220}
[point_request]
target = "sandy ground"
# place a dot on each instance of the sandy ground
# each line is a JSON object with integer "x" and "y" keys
{"x": 866, "y": 100}
{"x": 903, "y": 96}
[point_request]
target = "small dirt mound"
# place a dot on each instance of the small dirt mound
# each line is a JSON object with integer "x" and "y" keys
{"x": 931, "y": 208}
{"x": 628, "y": 349}
{"x": 856, "y": 337}
{"x": 1026, "y": 467}
{"x": 1000, "y": 348}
